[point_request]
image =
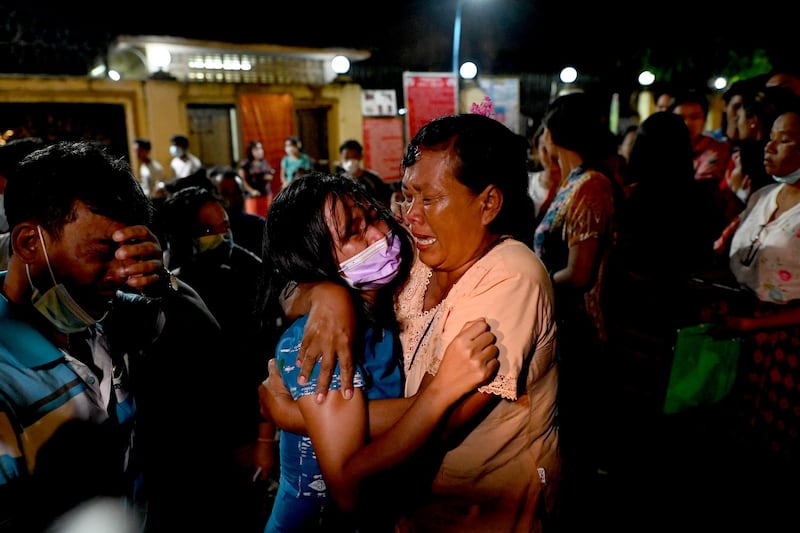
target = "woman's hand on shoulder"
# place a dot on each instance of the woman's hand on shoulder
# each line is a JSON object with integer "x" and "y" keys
{"x": 327, "y": 336}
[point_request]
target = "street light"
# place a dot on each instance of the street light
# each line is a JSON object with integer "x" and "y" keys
{"x": 457, "y": 34}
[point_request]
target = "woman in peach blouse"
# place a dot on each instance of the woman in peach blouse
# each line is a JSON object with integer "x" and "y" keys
{"x": 496, "y": 462}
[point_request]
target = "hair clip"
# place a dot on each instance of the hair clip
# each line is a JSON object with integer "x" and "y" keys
{"x": 485, "y": 108}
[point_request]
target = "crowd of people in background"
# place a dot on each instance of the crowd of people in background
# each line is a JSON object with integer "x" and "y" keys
{"x": 496, "y": 329}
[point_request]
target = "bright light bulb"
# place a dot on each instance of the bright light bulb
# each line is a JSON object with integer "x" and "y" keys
{"x": 340, "y": 64}
{"x": 159, "y": 57}
{"x": 468, "y": 70}
{"x": 646, "y": 78}
{"x": 568, "y": 75}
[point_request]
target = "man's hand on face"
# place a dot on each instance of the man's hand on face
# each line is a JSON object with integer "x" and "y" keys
{"x": 141, "y": 257}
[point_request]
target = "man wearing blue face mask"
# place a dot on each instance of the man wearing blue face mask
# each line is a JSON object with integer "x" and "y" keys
{"x": 89, "y": 328}
{"x": 78, "y": 234}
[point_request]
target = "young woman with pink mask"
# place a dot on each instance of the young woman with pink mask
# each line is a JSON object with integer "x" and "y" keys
{"x": 329, "y": 228}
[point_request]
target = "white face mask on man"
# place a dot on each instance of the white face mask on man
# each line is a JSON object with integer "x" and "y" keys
{"x": 351, "y": 166}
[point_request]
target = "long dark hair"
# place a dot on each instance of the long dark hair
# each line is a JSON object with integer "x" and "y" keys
{"x": 577, "y": 122}
{"x": 298, "y": 246}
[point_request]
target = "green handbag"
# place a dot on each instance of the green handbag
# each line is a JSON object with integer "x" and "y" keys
{"x": 703, "y": 368}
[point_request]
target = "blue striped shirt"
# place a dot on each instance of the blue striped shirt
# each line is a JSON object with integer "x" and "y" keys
{"x": 43, "y": 390}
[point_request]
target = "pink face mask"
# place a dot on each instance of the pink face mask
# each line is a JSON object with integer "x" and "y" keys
{"x": 375, "y": 266}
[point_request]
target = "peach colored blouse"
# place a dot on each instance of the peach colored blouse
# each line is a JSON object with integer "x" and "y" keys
{"x": 496, "y": 478}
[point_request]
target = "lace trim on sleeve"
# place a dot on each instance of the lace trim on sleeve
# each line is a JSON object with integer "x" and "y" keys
{"x": 503, "y": 386}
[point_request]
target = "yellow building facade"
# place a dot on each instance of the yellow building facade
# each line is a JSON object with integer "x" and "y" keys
{"x": 324, "y": 111}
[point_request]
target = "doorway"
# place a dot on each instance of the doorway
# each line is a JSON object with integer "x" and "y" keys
{"x": 211, "y": 134}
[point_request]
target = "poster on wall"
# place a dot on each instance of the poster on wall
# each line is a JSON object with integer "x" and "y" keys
{"x": 504, "y": 92}
{"x": 383, "y": 146}
{"x": 378, "y": 103}
{"x": 428, "y": 95}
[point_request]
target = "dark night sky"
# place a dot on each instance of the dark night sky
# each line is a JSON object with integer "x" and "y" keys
{"x": 509, "y": 35}
{"x": 605, "y": 38}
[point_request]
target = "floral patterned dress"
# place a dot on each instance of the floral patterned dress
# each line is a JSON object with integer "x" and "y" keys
{"x": 583, "y": 208}
{"x": 765, "y": 257}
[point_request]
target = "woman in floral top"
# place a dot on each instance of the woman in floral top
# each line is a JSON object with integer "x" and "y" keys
{"x": 573, "y": 240}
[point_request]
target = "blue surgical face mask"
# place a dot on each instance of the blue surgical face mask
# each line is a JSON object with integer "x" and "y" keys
{"x": 375, "y": 266}
{"x": 56, "y": 303}
{"x": 789, "y": 179}
{"x": 216, "y": 247}
{"x": 175, "y": 151}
